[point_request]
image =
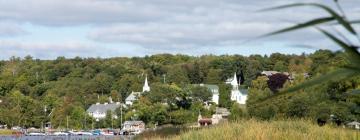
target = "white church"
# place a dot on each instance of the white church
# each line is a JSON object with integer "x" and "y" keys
{"x": 135, "y": 95}
{"x": 238, "y": 95}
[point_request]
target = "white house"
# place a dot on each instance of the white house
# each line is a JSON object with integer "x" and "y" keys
{"x": 135, "y": 95}
{"x": 134, "y": 126}
{"x": 214, "y": 89}
{"x": 238, "y": 95}
{"x": 132, "y": 98}
{"x": 98, "y": 111}
{"x": 354, "y": 124}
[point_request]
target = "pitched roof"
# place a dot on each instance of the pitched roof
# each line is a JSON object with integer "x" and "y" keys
{"x": 269, "y": 73}
{"x": 353, "y": 123}
{"x": 243, "y": 91}
{"x": 211, "y": 87}
{"x": 103, "y": 108}
{"x": 133, "y": 122}
{"x": 132, "y": 96}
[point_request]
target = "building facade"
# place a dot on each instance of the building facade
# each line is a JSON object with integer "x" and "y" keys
{"x": 98, "y": 111}
{"x": 135, "y": 95}
{"x": 238, "y": 95}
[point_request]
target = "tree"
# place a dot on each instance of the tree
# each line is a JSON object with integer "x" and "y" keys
{"x": 103, "y": 83}
{"x": 237, "y": 112}
{"x": 276, "y": 81}
{"x": 298, "y": 107}
{"x": 224, "y": 95}
{"x": 213, "y": 77}
{"x": 202, "y": 94}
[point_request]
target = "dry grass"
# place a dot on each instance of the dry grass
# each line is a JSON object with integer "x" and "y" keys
{"x": 4, "y": 132}
{"x": 273, "y": 130}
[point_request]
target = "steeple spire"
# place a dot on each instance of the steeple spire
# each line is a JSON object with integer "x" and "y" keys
{"x": 146, "y": 87}
{"x": 234, "y": 82}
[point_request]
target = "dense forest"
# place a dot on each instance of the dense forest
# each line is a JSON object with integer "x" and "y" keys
{"x": 59, "y": 91}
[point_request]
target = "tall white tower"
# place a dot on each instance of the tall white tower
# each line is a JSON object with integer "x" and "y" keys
{"x": 234, "y": 82}
{"x": 146, "y": 87}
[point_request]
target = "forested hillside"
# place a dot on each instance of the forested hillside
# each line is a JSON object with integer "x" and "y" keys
{"x": 36, "y": 91}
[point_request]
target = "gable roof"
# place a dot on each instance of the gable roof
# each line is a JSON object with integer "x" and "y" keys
{"x": 212, "y": 87}
{"x": 243, "y": 91}
{"x": 133, "y": 122}
{"x": 103, "y": 108}
{"x": 132, "y": 96}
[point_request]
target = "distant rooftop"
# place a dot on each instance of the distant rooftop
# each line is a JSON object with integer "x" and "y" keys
{"x": 103, "y": 108}
{"x": 132, "y": 96}
{"x": 211, "y": 87}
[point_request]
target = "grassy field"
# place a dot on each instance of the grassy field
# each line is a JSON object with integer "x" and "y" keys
{"x": 5, "y": 132}
{"x": 273, "y": 130}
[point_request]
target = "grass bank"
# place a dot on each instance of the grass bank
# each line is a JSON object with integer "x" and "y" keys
{"x": 272, "y": 130}
{"x": 6, "y": 132}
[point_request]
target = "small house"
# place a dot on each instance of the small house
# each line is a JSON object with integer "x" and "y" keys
{"x": 133, "y": 126}
{"x": 98, "y": 111}
{"x": 354, "y": 124}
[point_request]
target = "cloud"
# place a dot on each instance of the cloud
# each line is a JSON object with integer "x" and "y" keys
{"x": 69, "y": 49}
{"x": 156, "y": 26}
{"x": 9, "y": 29}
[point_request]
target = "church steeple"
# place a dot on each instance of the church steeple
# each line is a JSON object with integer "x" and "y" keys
{"x": 234, "y": 82}
{"x": 146, "y": 87}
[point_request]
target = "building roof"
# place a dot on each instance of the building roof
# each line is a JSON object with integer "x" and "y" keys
{"x": 133, "y": 122}
{"x": 222, "y": 111}
{"x": 205, "y": 120}
{"x": 243, "y": 91}
{"x": 103, "y": 108}
{"x": 132, "y": 96}
{"x": 353, "y": 123}
{"x": 210, "y": 87}
{"x": 269, "y": 73}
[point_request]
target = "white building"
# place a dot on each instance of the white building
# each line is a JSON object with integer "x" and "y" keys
{"x": 135, "y": 95}
{"x": 132, "y": 98}
{"x": 98, "y": 111}
{"x": 133, "y": 126}
{"x": 238, "y": 95}
{"x": 214, "y": 89}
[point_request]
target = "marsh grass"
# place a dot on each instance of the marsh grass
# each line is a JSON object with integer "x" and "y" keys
{"x": 270, "y": 130}
{"x": 4, "y": 132}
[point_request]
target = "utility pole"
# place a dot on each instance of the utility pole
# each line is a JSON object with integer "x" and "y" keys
{"x": 112, "y": 123}
{"x": 67, "y": 122}
{"x": 85, "y": 116}
{"x": 121, "y": 118}
{"x": 45, "y": 109}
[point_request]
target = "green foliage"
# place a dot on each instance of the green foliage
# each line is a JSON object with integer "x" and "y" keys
{"x": 237, "y": 112}
{"x": 351, "y": 50}
{"x": 200, "y": 93}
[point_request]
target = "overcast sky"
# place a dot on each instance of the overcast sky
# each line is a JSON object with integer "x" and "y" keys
{"x": 47, "y": 29}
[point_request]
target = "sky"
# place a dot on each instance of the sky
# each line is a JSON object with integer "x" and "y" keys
{"x": 46, "y": 29}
